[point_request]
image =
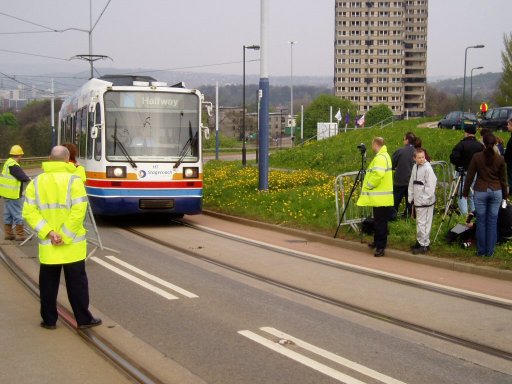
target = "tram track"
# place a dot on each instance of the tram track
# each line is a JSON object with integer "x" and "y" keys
{"x": 467, "y": 343}
{"x": 109, "y": 352}
{"x": 482, "y": 299}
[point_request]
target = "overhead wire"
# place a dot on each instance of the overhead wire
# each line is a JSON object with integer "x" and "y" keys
{"x": 29, "y": 22}
{"x": 13, "y": 78}
{"x": 34, "y": 54}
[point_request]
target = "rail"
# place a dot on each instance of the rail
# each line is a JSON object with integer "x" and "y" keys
{"x": 28, "y": 160}
{"x": 384, "y": 123}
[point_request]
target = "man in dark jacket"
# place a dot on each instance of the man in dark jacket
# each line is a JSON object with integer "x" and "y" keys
{"x": 403, "y": 161}
{"x": 460, "y": 157}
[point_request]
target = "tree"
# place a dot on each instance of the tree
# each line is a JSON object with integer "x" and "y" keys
{"x": 318, "y": 112}
{"x": 377, "y": 114}
{"x": 8, "y": 119}
{"x": 504, "y": 95}
{"x": 34, "y": 132}
{"x": 440, "y": 102}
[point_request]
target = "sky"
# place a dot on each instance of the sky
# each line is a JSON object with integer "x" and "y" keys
{"x": 208, "y": 36}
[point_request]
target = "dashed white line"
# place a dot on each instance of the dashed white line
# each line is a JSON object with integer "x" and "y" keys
{"x": 154, "y": 278}
{"x": 134, "y": 279}
{"x": 301, "y": 358}
{"x": 333, "y": 357}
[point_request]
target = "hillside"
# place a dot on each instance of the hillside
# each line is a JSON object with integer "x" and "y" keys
{"x": 340, "y": 153}
{"x": 484, "y": 84}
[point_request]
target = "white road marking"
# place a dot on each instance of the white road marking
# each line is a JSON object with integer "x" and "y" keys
{"x": 154, "y": 278}
{"x": 301, "y": 359}
{"x": 357, "y": 267}
{"x": 333, "y": 357}
{"x": 134, "y": 279}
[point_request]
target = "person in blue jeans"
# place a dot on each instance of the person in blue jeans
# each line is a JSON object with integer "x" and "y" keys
{"x": 490, "y": 189}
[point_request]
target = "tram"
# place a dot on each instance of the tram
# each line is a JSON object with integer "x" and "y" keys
{"x": 140, "y": 143}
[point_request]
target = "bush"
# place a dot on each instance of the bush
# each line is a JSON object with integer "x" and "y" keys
{"x": 377, "y": 114}
{"x": 224, "y": 142}
{"x": 318, "y": 112}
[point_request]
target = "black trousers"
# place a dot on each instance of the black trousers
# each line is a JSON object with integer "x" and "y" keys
{"x": 400, "y": 192}
{"x": 381, "y": 215}
{"x": 77, "y": 287}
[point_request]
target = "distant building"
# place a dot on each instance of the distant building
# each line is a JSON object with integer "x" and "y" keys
{"x": 230, "y": 123}
{"x": 16, "y": 99}
{"x": 381, "y": 54}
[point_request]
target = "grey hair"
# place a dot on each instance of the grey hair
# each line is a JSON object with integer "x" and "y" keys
{"x": 59, "y": 153}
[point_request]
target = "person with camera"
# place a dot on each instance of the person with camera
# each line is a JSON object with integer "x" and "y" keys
{"x": 422, "y": 193}
{"x": 461, "y": 156}
{"x": 490, "y": 188}
{"x": 377, "y": 192}
{"x": 403, "y": 161}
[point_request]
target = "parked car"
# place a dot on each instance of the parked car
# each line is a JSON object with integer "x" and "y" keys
{"x": 496, "y": 118}
{"x": 453, "y": 120}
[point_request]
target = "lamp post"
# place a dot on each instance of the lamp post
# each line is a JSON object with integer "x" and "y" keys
{"x": 244, "y": 149}
{"x": 471, "y": 87}
{"x": 291, "y": 89}
{"x": 464, "y": 86}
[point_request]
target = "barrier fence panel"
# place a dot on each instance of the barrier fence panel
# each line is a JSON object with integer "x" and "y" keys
{"x": 444, "y": 180}
{"x": 352, "y": 214}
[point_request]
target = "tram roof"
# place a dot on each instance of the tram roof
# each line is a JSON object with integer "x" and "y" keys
{"x": 126, "y": 80}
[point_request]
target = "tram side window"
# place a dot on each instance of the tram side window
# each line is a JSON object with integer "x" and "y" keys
{"x": 62, "y": 127}
{"x": 76, "y": 128}
{"x": 67, "y": 130}
{"x": 89, "y": 139}
{"x": 97, "y": 147}
{"x": 82, "y": 136}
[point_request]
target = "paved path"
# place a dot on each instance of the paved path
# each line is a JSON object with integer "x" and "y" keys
{"x": 31, "y": 354}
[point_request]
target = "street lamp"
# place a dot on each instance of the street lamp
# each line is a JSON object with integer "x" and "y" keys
{"x": 464, "y": 86}
{"x": 471, "y": 87}
{"x": 291, "y": 87}
{"x": 244, "y": 149}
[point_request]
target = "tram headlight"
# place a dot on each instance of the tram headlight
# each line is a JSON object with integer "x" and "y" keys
{"x": 190, "y": 172}
{"x": 116, "y": 172}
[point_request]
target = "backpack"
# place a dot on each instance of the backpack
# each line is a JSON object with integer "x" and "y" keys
{"x": 505, "y": 223}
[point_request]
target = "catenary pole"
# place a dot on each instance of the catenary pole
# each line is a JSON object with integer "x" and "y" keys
{"x": 264, "y": 105}
{"x": 54, "y": 140}
{"x": 216, "y": 120}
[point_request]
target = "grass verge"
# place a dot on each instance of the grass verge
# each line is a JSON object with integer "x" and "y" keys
{"x": 303, "y": 197}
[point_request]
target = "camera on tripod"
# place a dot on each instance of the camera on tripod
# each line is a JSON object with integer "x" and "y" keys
{"x": 460, "y": 170}
{"x": 362, "y": 148}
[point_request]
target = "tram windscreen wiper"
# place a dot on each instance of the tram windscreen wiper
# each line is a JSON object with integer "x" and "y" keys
{"x": 123, "y": 149}
{"x": 191, "y": 139}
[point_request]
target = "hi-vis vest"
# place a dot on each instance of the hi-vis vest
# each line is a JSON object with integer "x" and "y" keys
{"x": 56, "y": 200}
{"x": 377, "y": 188}
{"x": 10, "y": 187}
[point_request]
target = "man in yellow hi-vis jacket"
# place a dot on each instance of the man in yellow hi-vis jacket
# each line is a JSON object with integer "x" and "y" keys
{"x": 11, "y": 188}
{"x": 55, "y": 208}
{"x": 377, "y": 192}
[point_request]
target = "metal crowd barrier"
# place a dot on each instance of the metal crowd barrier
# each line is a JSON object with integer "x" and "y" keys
{"x": 28, "y": 160}
{"x": 444, "y": 179}
{"x": 355, "y": 214}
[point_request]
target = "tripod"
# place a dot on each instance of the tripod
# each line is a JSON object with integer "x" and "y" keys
{"x": 359, "y": 179}
{"x": 450, "y": 208}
